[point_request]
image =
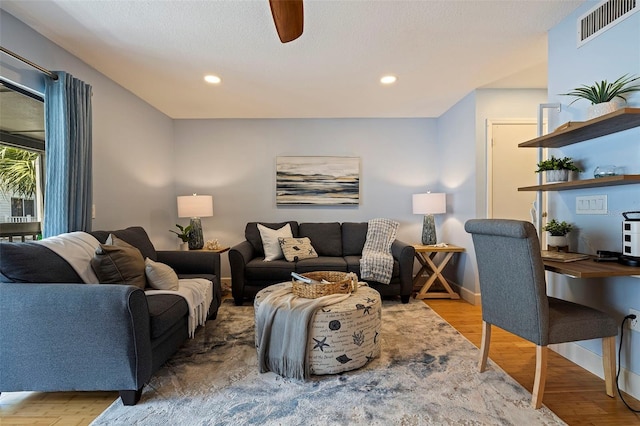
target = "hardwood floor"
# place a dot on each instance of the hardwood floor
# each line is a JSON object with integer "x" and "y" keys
{"x": 53, "y": 408}
{"x": 574, "y": 394}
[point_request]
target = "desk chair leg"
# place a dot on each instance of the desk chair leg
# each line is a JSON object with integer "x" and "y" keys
{"x": 484, "y": 346}
{"x": 609, "y": 361}
{"x": 541, "y": 376}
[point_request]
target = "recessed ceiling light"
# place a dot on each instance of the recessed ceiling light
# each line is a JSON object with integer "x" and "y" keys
{"x": 213, "y": 79}
{"x": 388, "y": 79}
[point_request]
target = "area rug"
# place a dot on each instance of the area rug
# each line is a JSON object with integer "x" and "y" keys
{"x": 427, "y": 374}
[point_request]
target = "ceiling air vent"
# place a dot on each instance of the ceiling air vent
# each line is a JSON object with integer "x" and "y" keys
{"x": 603, "y": 16}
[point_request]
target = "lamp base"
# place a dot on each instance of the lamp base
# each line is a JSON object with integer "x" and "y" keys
{"x": 196, "y": 240}
{"x": 429, "y": 230}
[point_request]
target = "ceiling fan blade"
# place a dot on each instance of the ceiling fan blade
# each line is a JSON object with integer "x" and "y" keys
{"x": 289, "y": 18}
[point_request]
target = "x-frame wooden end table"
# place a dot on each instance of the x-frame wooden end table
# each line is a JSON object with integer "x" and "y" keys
{"x": 426, "y": 256}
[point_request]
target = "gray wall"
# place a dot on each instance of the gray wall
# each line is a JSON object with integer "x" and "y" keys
{"x": 133, "y": 168}
{"x": 462, "y": 148}
{"x": 457, "y": 150}
{"x": 614, "y": 53}
{"x": 234, "y": 160}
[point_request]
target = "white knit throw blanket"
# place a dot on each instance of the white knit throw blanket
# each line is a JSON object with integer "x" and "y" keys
{"x": 282, "y": 329}
{"x": 198, "y": 293}
{"x": 77, "y": 248}
{"x": 377, "y": 262}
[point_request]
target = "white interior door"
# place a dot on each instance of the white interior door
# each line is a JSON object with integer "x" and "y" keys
{"x": 511, "y": 167}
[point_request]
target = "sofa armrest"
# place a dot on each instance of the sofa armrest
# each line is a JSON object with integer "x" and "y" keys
{"x": 242, "y": 252}
{"x": 239, "y": 256}
{"x": 59, "y": 337}
{"x": 192, "y": 262}
{"x": 404, "y": 253}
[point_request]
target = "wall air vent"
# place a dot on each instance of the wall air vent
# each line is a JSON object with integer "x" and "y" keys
{"x": 604, "y": 16}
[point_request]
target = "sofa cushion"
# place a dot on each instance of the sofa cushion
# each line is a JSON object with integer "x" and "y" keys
{"x": 119, "y": 263}
{"x": 252, "y": 234}
{"x": 322, "y": 263}
{"x": 276, "y": 270}
{"x": 326, "y": 238}
{"x": 295, "y": 249}
{"x": 271, "y": 241}
{"x": 160, "y": 276}
{"x": 134, "y": 235}
{"x": 353, "y": 237}
{"x": 31, "y": 262}
{"x": 165, "y": 310}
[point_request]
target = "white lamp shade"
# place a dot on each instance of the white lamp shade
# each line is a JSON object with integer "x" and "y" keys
{"x": 195, "y": 206}
{"x": 429, "y": 203}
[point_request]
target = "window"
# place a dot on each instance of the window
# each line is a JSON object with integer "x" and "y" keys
{"x": 22, "y": 149}
{"x": 22, "y": 207}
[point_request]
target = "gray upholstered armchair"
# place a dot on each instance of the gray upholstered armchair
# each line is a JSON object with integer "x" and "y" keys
{"x": 513, "y": 287}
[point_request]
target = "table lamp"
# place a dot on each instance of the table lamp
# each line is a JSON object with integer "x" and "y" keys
{"x": 429, "y": 204}
{"x": 195, "y": 206}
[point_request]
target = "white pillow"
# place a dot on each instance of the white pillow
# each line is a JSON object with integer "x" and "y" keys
{"x": 160, "y": 276}
{"x": 270, "y": 243}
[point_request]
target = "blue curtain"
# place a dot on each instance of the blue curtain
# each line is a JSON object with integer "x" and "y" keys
{"x": 68, "y": 130}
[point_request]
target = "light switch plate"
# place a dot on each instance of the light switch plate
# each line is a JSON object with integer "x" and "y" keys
{"x": 592, "y": 204}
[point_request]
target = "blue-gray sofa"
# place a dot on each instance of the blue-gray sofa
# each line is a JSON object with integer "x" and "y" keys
{"x": 58, "y": 334}
{"x": 339, "y": 248}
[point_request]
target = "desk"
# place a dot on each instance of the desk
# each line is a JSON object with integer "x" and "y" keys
{"x": 426, "y": 255}
{"x": 590, "y": 269}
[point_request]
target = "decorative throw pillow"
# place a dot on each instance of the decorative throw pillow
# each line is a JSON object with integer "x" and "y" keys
{"x": 160, "y": 276}
{"x": 270, "y": 244}
{"x": 119, "y": 263}
{"x": 295, "y": 249}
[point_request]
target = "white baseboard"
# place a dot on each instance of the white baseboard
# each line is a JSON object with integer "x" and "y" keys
{"x": 466, "y": 294}
{"x": 629, "y": 381}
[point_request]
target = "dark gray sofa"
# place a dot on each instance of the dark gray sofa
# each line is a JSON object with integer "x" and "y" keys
{"x": 339, "y": 248}
{"x": 59, "y": 334}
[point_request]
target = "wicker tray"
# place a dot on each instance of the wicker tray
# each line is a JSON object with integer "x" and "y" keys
{"x": 339, "y": 283}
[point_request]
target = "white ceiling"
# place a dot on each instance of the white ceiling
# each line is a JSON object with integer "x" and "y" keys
{"x": 440, "y": 50}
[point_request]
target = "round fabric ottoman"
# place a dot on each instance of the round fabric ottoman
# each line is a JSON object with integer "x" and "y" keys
{"x": 343, "y": 336}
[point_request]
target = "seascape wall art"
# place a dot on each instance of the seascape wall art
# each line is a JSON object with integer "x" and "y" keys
{"x": 322, "y": 181}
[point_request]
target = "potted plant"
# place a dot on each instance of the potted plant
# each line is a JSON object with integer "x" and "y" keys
{"x": 557, "y": 169}
{"x": 183, "y": 235}
{"x": 603, "y": 96}
{"x": 558, "y": 232}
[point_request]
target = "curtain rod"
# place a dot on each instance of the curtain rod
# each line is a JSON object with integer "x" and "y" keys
{"x": 45, "y": 71}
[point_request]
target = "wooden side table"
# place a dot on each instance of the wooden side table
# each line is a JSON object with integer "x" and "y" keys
{"x": 218, "y": 250}
{"x": 426, "y": 256}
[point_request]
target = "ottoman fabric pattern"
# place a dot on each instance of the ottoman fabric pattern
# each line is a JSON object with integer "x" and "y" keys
{"x": 343, "y": 336}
